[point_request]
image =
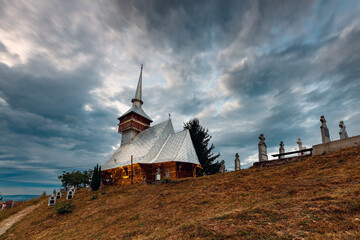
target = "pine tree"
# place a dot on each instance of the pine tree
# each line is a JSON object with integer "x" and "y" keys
{"x": 96, "y": 178}
{"x": 200, "y": 138}
{"x": 99, "y": 177}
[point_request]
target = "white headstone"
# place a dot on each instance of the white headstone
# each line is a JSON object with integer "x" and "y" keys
{"x": 158, "y": 174}
{"x": 70, "y": 195}
{"x": 58, "y": 195}
{"x": 52, "y": 200}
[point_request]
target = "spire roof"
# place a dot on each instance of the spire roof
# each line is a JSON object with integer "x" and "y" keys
{"x": 138, "y": 92}
{"x": 137, "y": 101}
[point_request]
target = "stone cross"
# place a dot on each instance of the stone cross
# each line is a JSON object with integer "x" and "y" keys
{"x": 281, "y": 149}
{"x": 222, "y": 167}
{"x": 300, "y": 147}
{"x": 52, "y": 200}
{"x": 167, "y": 174}
{"x": 158, "y": 174}
{"x": 343, "y": 134}
{"x": 262, "y": 149}
{"x": 58, "y": 195}
{"x": 237, "y": 162}
{"x": 325, "y": 135}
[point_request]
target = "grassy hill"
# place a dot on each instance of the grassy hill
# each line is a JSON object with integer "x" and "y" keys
{"x": 317, "y": 198}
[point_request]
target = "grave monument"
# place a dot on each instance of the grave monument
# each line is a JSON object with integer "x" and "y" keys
{"x": 262, "y": 149}
{"x": 69, "y": 195}
{"x": 58, "y": 195}
{"x": 52, "y": 200}
{"x": 158, "y": 174}
{"x": 343, "y": 134}
{"x": 281, "y": 149}
{"x": 300, "y": 147}
{"x": 325, "y": 135}
{"x": 237, "y": 162}
{"x": 222, "y": 167}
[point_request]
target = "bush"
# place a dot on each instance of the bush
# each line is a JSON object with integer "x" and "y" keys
{"x": 64, "y": 207}
{"x": 94, "y": 196}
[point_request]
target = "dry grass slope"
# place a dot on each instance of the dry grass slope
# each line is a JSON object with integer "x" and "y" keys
{"x": 318, "y": 198}
{"x": 9, "y": 212}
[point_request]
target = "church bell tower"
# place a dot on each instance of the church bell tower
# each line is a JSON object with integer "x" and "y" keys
{"x": 135, "y": 119}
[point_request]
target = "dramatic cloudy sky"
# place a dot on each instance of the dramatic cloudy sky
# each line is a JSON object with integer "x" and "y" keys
{"x": 68, "y": 69}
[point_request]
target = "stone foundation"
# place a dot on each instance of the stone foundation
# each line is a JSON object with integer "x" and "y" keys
{"x": 278, "y": 162}
{"x": 336, "y": 145}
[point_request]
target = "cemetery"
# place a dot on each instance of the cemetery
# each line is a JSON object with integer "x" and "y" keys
{"x": 325, "y": 147}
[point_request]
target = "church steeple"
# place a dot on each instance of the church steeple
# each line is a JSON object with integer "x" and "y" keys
{"x": 135, "y": 119}
{"x": 138, "y": 92}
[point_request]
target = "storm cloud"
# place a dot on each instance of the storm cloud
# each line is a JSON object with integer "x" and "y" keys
{"x": 69, "y": 69}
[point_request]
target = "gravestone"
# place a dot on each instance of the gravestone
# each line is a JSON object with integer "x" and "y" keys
{"x": 281, "y": 150}
{"x": 300, "y": 146}
{"x": 262, "y": 149}
{"x": 237, "y": 162}
{"x": 167, "y": 174}
{"x": 52, "y": 200}
{"x": 54, "y": 192}
{"x": 58, "y": 195}
{"x": 222, "y": 167}
{"x": 158, "y": 174}
{"x": 325, "y": 135}
{"x": 70, "y": 195}
{"x": 343, "y": 134}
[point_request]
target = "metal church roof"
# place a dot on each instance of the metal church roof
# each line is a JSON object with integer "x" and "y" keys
{"x": 137, "y": 109}
{"x": 156, "y": 144}
{"x": 179, "y": 148}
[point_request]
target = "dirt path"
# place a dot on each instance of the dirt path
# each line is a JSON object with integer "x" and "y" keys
{"x": 8, "y": 222}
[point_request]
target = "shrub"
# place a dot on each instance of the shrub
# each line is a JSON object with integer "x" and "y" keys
{"x": 64, "y": 207}
{"x": 94, "y": 196}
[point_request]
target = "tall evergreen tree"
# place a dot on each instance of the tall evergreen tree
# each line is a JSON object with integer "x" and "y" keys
{"x": 96, "y": 178}
{"x": 200, "y": 138}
